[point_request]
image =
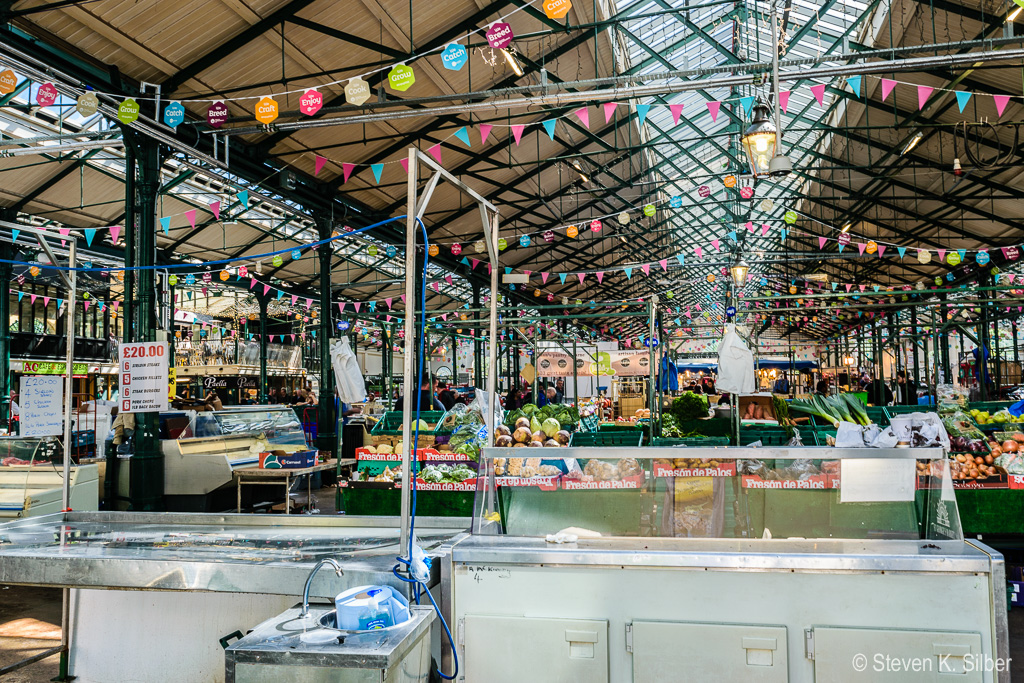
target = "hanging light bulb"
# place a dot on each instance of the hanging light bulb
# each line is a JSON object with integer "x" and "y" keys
{"x": 739, "y": 272}
{"x": 759, "y": 140}
{"x": 513, "y": 62}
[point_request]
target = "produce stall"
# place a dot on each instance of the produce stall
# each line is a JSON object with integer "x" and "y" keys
{"x": 770, "y": 564}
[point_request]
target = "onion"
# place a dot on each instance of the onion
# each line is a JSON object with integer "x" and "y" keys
{"x": 1010, "y": 446}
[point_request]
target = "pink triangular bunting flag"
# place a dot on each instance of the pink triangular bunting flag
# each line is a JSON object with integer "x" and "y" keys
{"x": 405, "y": 164}
{"x": 544, "y": 277}
{"x": 266, "y": 288}
{"x": 664, "y": 264}
{"x": 215, "y": 208}
{"x": 295, "y": 297}
{"x": 600, "y": 276}
{"x": 750, "y": 226}
{"x": 435, "y": 151}
{"x": 923, "y": 93}
{"x": 517, "y": 132}
{"x": 346, "y": 171}
{"x": 609, "y": 110}
{"x": 677, "y": 111}
{"x": 887, "y": 85}
{"x": 485, "y": 130}
{"x": 784, "y": 100}
{"x": 881, "y": 250}
{"x": 583, "y": 114}
{"x": 581, "y": 276}
{"x": 715, "y": 244}
{"x": 115, "y": 230}
{"x": 764, "y": 229}
{"x": 861, "y": 247}
{"x": 848, "y": 288}
{"x": 318, "y": 164}
{"x": 700, "y": 252}
{"x": 646, "y": 268}
{"x": 942, "y": 254}
{"x": 357, "y": 305}
{"x": 473, "y": 263}
{"x": 1001, "y": 102}
{"x": 821, "y": 242}
{"x": 713, "y": 108}
{"x": 191, "y": 216}
{"x": 819, "y": 93}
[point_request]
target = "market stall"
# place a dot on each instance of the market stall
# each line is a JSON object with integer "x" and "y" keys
{"x": 31, "y": 479}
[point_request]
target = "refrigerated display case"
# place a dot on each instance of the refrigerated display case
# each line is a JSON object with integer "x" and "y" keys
{"x": 199, "y": 464}
{"x": 31, "y": 479}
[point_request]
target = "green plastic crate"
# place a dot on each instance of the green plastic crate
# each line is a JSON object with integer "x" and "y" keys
{"x": 820, "y": 436}
{"x": 605, "y": 439}
{"x": 622, "y": 427}
{"x": 771, "y": 436}
{"x": 391, "y": 423}
{"x": 989, "y": 406}
{"x": 695, "y": 441}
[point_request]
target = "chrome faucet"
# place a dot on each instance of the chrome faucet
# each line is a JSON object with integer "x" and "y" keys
{"x": 309, "y": 580}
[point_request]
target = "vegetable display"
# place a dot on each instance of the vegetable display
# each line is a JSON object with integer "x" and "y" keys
{"x": 566, "y": 416}
{"x": 442, "y": 474}
{"x": 834, "y": 409}
{"x": 689, "y": 406}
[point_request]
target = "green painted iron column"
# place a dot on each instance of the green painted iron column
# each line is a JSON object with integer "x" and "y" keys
{"x": 6, "y": 253}
{"x": 327, "y": 421}
{"x": 264, "y": 303}
{"x": 146, "y": 467}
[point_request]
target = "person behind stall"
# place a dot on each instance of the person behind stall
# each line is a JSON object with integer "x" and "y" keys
{"x": 271, "y": 396}
{"x": 723, "y": 400}
{"x": 513, "y": 399}
{"x": 552, "y": 396}
{"x": 445, "y": 395}
{"x": 906, "y": 390}
{"x": 427, "y": 399}
{"x": 822, "y": 387}
{"x": 250, "y": 398}
{"x": 212, "y": 401}
{"x": 781, "y": 384}
{"x": 560, "y": 388}
{"x": 879, "y": 393}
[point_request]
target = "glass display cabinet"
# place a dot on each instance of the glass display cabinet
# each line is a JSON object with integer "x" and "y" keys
{"x": 766, "y": 564}
{"x": 31, "y": 479}
{"x": 198, "y": 465}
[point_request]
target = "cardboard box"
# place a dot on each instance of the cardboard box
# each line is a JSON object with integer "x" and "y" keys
{"x": 763, "y": 400}
{"x": 278, "y": 460}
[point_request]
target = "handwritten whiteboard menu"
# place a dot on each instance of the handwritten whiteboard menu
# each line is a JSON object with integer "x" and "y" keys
{"x": 42, "y": 406}
{"x": 143, "y": 377}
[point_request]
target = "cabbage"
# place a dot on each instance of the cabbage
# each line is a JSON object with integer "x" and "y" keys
{"x": 535, "y": 425}
{"x": 551, "y": 426}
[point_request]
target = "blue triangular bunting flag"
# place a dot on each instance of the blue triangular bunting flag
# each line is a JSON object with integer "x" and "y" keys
{"x": 465, "y": 261}
{"x": 507, "y": 270}
{"x": 841, "y": 247}
{"x": 641, "y": 112}
{"x": 628, "y": 272}
{"x": 463, "y": 135}
{"x": 783, "y": 234}
{"x": 854, "y": 83}
{"x": 165, "y": 223}
{"x": 963, "y": 254}
{"x": 834, "y": 285}
{"x": 562, "y": 276}
{"x": 962, "y": 98}
{"x": 21, "y": 295}
{"x": 280, "y": 294}
{"x": 90, "y": 233}
{"x": 60, "y": 302}
{"x": 902, "y": 250}
{"x": 377, "y": 170}
{"x": 243, "y": 198}
{"x": 733, "y": 236}
{"x": 747, "y": 103}
{"x": 681, "y": 258}
{"x": 549, "y": 126}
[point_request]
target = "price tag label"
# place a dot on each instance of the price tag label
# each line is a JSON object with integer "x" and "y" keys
{"x": 143, "y": 377}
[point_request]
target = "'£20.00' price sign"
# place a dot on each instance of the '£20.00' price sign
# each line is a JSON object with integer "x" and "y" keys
{"x": 143, "y": 377}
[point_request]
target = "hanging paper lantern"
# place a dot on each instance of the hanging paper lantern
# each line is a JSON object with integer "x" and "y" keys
{"x": 982, "y": 258}
{"x": 871, "y": 247}
{"x": 669, "y": 294}
{"x": 953, "y": 258}
{"x": 595, "y": 225}
{"x": 536, "y": 292}
{"x": 572, "y": 231}
{"x": 703, "y": 191}
{"x": 391, "y": 251}
{"x": 502, "y": 244}
{"x": 549, "y": 236}
{"x": 711, "y": 277}
{"x": 296, "y": 254}
{"x": 173, "y": 279}
{"x": 456, "y": 249}
{"x": 85, "y": 295}
{"x": 190, "y": 279}
{"x": 277, "y": 261}
{"x": 207, "y": 277}
{"x": 243, "y": 271}
{"x": 372, "y": 250}
{"x": 34, "y": 271}
{"x": 729, "y": 181}
{"x": 434, "y": 250}
{"x": 792, "y": 289}
{"x": 924, "y": 256}
{"x": 524, "y": 241}
{"x": 938, "y": 281}
{"x": 649, "y": 210}
{"x": 224, "y": 275}
{"x": 624, "y": 218}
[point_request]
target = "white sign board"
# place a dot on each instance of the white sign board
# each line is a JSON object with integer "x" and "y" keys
{"x": 142, "y": 377}
{"x": 41, "y": 407}
{"x": 877, "y": 480}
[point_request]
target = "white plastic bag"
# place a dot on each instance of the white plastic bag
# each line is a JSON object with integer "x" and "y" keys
{"x": 735, "y": 365}
{"x": 347, "y": 375}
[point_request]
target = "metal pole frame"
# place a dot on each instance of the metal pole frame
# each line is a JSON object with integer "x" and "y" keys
{"x": 416, "y": 208}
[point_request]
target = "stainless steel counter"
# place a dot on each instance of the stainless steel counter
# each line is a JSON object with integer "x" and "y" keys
{"x": 264, "y": 554}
